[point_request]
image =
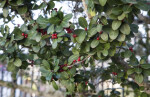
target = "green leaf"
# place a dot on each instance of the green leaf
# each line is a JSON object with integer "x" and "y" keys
{"x": 117, "y": 10}
{"x": 127, "y": 54}
{"x": 5, "y": 12}
{"x": 130, "y": 1}
{"x": 99, "y": 27}
{"x": 69, "y": 85}
{"x": 105, "y": 52}
{"x": 2, "y": 3}
{"x": 138, "y": 70}
{"x": 54, "y": 44}
{"x": 64, "y": 75}
{"x": 130, "y": 71}
{"x": 41, "y": 20}
{"x": 65, "y": 24}
{"x": 44, "y": 72}
{"x": 20, "y": 2}
{"x": 145, "y": 66}
{"x": 72, "y": 58}
{"x": 17, "y": 34}
{"x": 107, "y": 46}
{"x": 104, "y": 36}
{"x": 61, "y": 33}
{"x": 139, "y": 78}
{"x": 24, "y": 28}
{"x": 147, "y": 72}
{"x": 94, "y": 43}
{"x": 17, "y": 62}
{"x": 51, "y": 5}
{"x": 143, "y": 94}
{"x": 59, "y": 28}
{"x": 104, "y": 20}
{"x": 22, "y": 9}
{"x": 67, "y": 17}
{"x": 80, "y": 38}
{"x": 36, "y": 48}
{"x": 42, "y": 5}
{"x": 125, "y": 29}
{"x": 92, "y": 32}
{"x": 134, "y": 28}
{"x": 116, "y": 24}
{"x": 102, "y": 2}
{"x": 113, "y": 34}
{"x": 54, "y": 20}
{"x": 38, "y": 37}
{"x": 133, "y": 61}
{"x": 82, "y": 22}
{"x": 122, "y": 16}
{"x": 46, "y": 64}
{"x": 56, "y": 68}
{"x": 49, "y": 76}
{"x": 54, "y": 85}
{"x": 121, "y": 37}
{"x": 142, "y": 5}
{"x": 112, "y": 51}
{"x": 50, "y": 29}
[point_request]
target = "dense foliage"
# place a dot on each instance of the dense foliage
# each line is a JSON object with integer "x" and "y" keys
{"x": 64, "y": 51}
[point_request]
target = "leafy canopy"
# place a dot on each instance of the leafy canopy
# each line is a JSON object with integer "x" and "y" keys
{"x": 63, "y": 51}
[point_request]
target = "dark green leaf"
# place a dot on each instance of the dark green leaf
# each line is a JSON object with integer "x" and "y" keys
{"x": 82, "y": 22}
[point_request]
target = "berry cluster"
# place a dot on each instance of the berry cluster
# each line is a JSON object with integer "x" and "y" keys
{"x": 42, "y": 31}
{"x": 100, "y": 32}
{"x": 98, "y": 38}
{"x": 86, "y": 82}
{"x": 68, "y": 30}
{"x": 61, "y": 67}
{"x": 85, "y": 29}
{"x": 74, "y": 35}
{"x": 74, "y": 61}
{"x": 25, "y": 35}
{"x": 54, "y": 36}
{"x": 131, "y": 49}
{"x": 114, "y": 73}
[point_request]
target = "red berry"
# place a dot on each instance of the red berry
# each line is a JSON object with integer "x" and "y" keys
{"x": 98, "y": 38}
{"x": 114, "y": 73}
{"x": 23, "y": 34}
{"x": 131, "y": 49}
{"x": 41, "y": 30}
{"x": 18, "y": 25}
{"x": 69, "y": 31}
{"x": 79, "y": 59}
{"x": 85, "y": 29}
{"x": 26, "y": 36}
{"x": 74, "y": 61}
{"x": 65, "y": 64}
{"x": 32, "y": 61}
{"x": 45, "y": 32}
{"x": 55, "y": 9}
{"x": 101, "y": 32}
{"x": 86, "y": 82}
{"x": 74, "y": 35}
{"x": 55, "y": 34}
{"x": 70, "y": 67}
{"x": 99, "y": 96}
{"x": 55, "y": 37}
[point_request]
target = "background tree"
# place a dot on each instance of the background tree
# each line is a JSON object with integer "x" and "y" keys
{"x": 70, "y": 52}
